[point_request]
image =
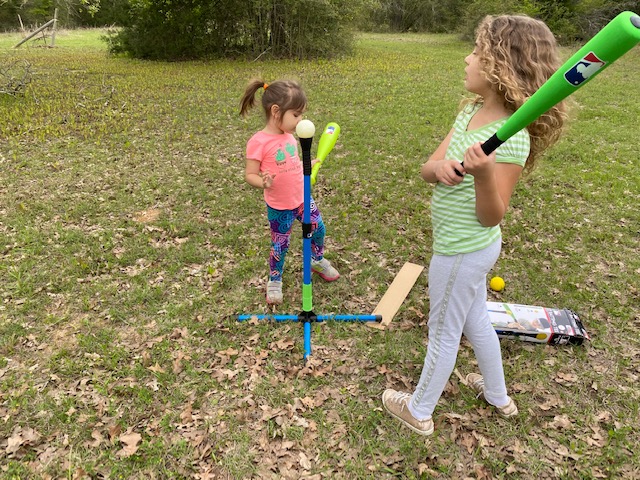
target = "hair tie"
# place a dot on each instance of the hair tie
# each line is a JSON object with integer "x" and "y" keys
{"x": 265, "y": 86}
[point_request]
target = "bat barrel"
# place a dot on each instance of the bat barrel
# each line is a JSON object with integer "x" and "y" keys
{"x": 618, "y": 37}
{"x": 327, "y": 142}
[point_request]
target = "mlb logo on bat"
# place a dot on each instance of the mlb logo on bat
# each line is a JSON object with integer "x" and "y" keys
{"x": 330, "y": 130}
{"x": 584, "y": 69}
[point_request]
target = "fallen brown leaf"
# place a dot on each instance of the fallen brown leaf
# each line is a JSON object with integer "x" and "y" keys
{"x": 131, "y": 442}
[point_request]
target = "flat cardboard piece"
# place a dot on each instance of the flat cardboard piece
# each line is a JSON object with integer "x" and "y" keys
{"x": 395, "y": 294}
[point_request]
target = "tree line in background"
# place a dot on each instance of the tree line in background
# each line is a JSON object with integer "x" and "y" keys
{"x": 187, "y": 29}
{"x": 71, "y": 13}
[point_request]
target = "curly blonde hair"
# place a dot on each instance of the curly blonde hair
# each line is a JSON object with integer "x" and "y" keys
{"x": 519, "y": 54}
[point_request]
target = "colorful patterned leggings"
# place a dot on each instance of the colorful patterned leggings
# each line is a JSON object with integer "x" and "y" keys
{"x": 281, "y": 223}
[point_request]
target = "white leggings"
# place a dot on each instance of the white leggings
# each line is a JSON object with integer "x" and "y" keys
{"x": 458, "y": 305}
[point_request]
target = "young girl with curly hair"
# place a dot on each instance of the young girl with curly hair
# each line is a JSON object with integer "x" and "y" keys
{"x": 513, "y": 56}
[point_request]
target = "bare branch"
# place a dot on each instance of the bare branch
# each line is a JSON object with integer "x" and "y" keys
{"x": 15, "y": 76}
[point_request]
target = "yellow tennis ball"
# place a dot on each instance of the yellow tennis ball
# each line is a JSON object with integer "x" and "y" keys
{"x": 497, "y": 284}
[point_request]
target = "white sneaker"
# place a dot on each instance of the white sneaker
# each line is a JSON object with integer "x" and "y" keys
{"x": 476, "y": 382}
{"x": 274, "y": 292}
{"x": 324, "y": 268}
{"x": 396, "y": 403}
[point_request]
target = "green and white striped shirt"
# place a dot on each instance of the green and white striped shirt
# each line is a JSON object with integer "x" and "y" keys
{"x": 456, "y": 228}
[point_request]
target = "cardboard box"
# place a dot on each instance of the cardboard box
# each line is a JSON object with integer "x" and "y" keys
{"x": 537, "y": 324}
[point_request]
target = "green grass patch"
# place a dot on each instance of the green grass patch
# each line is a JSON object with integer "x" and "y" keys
{"x": 130, "y": 241}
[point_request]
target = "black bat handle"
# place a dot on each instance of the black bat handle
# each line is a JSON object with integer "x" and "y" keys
{"x": 487, "y": 147}
{"x": 491, "y": 144}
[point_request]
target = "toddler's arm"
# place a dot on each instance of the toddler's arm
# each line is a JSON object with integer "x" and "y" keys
{"x": 255, "y": 177}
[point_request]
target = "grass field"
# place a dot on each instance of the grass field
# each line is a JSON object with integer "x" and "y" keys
{"x": 129, "y": 242}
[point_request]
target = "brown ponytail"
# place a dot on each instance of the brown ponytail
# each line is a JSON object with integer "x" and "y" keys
{"x": 248, "y": 99}
{"x": 286, "y": 94}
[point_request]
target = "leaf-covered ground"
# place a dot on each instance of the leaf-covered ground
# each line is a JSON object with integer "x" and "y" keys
{"x": 129, "y": 242}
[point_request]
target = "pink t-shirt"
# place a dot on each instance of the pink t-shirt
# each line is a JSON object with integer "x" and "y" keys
{"x": 278, "y": 154}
